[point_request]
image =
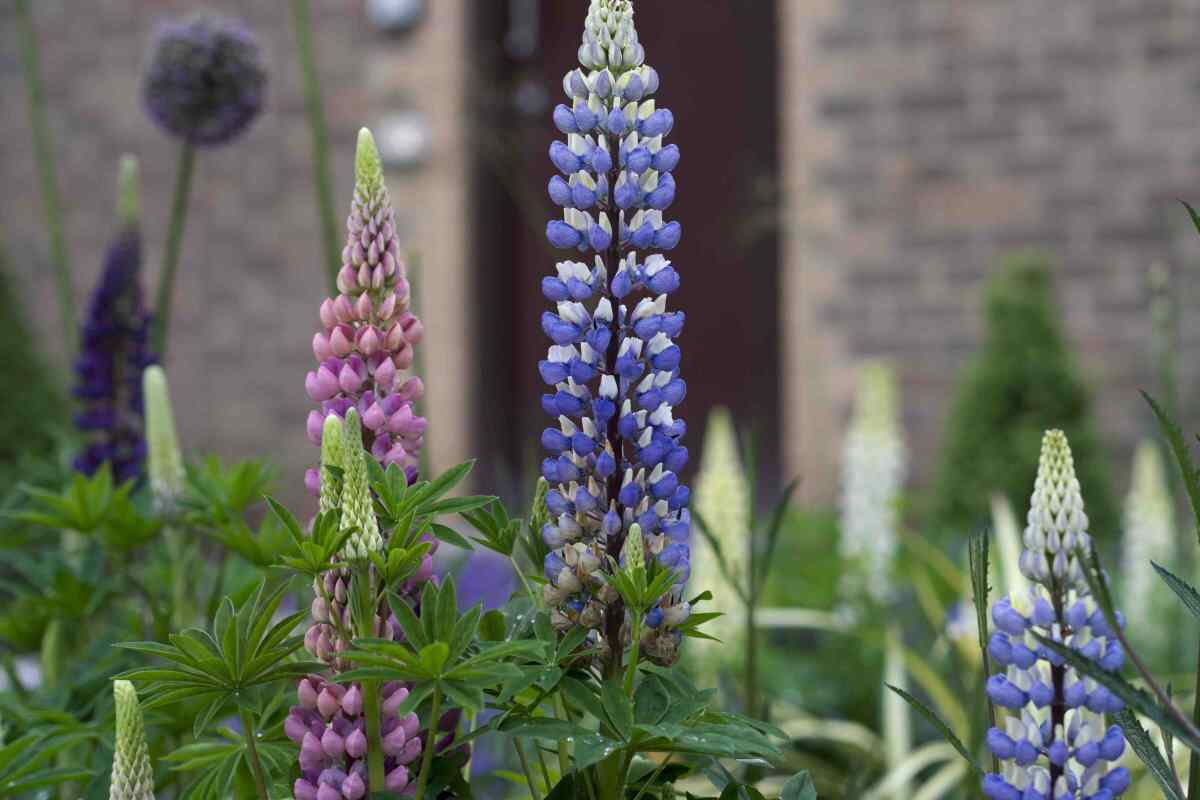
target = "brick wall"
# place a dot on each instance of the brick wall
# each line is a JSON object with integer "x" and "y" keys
{"x": 250, "y": 278}
{"x": 923, "y": 138}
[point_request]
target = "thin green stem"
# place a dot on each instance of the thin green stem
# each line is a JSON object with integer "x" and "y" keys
{"x": 533, "y": 598}
{"x": 322, "y": 182}
{"x": 533, "y": 790}
{"x": 564, "y": 758}
{"x": 256, "y": 769}
{"x": 431, "y": 742}
{"x": 43, "y": 153}
{"x": 545, "y": 770}
{"x": 1194, "y": 761}
{"x": 166, "y": 279}
{"x": 634, "y": 654}
{"x": 649, "y": 781}
{"x": 375, "y": 770}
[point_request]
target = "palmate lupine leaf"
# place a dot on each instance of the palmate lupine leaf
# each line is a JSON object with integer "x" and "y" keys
{"x": 941, "y": 726}
{"x": 24, "y": 764}
{"x": 1186, "y": 593}
{"x": 243, "y": 651}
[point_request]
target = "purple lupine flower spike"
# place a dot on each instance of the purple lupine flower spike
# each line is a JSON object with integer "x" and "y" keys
{"x": 1054, "y": 743}
{"x": 368, "y": 331}
{"x": 114, "y": 350}
{"x": 615, "y": 450}
{"x": 205, "y": 81}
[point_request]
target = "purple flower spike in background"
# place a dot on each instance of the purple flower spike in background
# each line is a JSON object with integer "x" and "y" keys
{"x": 612, "y": 371}
{"x": 205, "y": 81}
{"x": 113, "y": 350}
{"x": 368, "y": 332}
{"x": 1051, "y": 737}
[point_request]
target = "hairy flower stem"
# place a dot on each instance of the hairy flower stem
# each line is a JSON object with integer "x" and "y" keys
{"x": 166, "y": 279}
{"x": 431, "y": 744}
{"x": 322, "y": 182}
{"x": 1058, "y": 709}
{"x": 256, "y": 769}
{"x": 631, "y": 668}
{"x": 375, "y": 771}
{"x": 43, "y": 152}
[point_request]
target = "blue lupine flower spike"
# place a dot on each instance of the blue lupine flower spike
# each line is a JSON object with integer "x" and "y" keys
{"x": 114, "y": 350}
{"x": 1053, "y": 742}
{"x": 615, "y": 448}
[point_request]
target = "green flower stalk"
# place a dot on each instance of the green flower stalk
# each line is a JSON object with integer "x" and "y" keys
{"x": 873, "y": 466}
{"x": 358, "y": 512}
{"x": 162, "y": 443}
{"x": 723, "y": 502}
{"x": 132, "y": 775}
{"x": 1149, "y": 536}
{"x": 333, "y": 454}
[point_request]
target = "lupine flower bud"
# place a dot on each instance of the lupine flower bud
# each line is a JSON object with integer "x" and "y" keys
{"x": 1054, "y": 743}
{"x": 872, "y": 477}
{"x": 358, "y": 509}
{"x": 723, "y": 501}
{"x": 368, "y": 331}
{"x": 114, "y": 350}
{"x": 165, "y": 462}
{"x": 132, "y": 775}
{"x": 205, "y": 81}
{"x": 613, "y": 358}
{"x": 333, "y": 454}
{"x": 1149, "y": 537}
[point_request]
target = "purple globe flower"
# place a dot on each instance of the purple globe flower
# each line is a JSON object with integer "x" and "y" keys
{"x": 205, "y": 80}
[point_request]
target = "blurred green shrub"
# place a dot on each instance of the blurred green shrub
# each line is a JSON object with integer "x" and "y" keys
{"x": 32, "y": 409}
{"x": 1023, "y": 381}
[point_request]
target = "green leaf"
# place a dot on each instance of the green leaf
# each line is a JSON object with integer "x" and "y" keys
{"x": 778, "y": 514}
{"x": 1183, "y": 456}
{"x": 937, "y": 723}
{"x": 450, "y": 536}
{"x": 1138, "y": 700}
{"x": 799, "y": 787}
{"x": 1192, "y": 213}
{"x": 1189, "y": 596}
{"x": 651, "y": 701}
{"x": 433, "y": 657}
{"x": 492, "y": 627}
{"x": 618, "y": 708}
{"x": 1148, "y": 752}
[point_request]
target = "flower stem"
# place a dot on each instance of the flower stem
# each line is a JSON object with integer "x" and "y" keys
{"x": 564, "y": 758}
{"x": 260, "y": 781}
{"x": 533, "y": 790}
{"x": 375, "y": 771}
{"x": 1194, "y": 761}
{"x": 166, "y": 279}
{"x": 631, "y": 669}
{"x": 322, "y": 183}
{"x": 43, "y": 153}
{"x": 431, "y": 743}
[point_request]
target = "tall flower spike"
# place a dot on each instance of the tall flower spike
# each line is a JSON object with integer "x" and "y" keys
{"x": 165, "y": 462}
{"x": 723, "y": 502}
{"x": 1149, "y": 537}
{"x": 114, "y": 350}
{"x": 205, "y": 81}
{"x": 333, "y": 460}
{"x": 358, "y": 510}
{"x": 368, "y": 332}
{"x": 873, "y": 465}
{"x": 615, "y": 448}
{"x": 132, "y": 775}
{"x": 1053, "y": 742}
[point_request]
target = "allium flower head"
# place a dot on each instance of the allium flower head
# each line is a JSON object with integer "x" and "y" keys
{"x": 368, "y": 332}
{"x": 1149, "y": 537}
{"x": 615, "y": 450}
{"x": 205, "y": 81}
{"x": 1053, "y": 742}
{"x": 1056, "y": 525}
{"x": 132, "y": 775}
{"x": 873, "y": 465}
{"x": 166, "y": 461}
{"x": 114, "y": 351}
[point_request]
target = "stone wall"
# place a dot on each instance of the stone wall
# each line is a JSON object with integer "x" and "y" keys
{"x": 923, "y": 138}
